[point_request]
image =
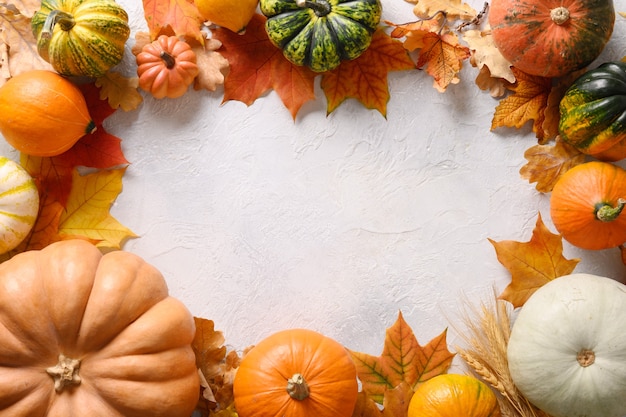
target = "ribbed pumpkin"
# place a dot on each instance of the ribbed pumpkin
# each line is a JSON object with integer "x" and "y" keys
{"x": 551, "y": 38}
{"x": 453, "y": 395}
{"x": 43, "y": 114}
{"x": 19, "y": 204}
{"x": 321, "y": 33}
{"x": 166, "y": 67}
{"x": 87, "y": 334}
{"x": 296, "y": 373}
{"x": 593, "y": 112}
{"x": 586, "y": 205}
{"x": 81, "y": 37}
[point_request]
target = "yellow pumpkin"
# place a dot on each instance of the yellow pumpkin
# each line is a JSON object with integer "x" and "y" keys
{"x": 85, "y": 334}
{"x": 453, "y": 395}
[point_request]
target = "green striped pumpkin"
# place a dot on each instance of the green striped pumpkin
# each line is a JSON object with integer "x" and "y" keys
{"x": 19, "y": 204}
{"x": 81, "y": 37}
{"x": 593, "y": 112}
{"x": 321, "y": 33}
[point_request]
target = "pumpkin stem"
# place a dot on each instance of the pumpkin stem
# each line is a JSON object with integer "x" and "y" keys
{"x": 559, "y": 15}
{"x": 607, "y": 213}
{"x": 586, "y": 357}
{"x": 297, "y": 388}
{"x": 169, "y": 60}
{"x": 320, "y": 7}
{"x": 65, "y": 372}
{"x": 63, "y": 19}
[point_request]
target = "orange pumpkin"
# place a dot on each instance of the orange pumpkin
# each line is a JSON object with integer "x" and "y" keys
{"x": 166, "y": 67}
{"x": 551, "y": 38}
{"x": 586, "y": 205}
{"x": 43, "y": 114}
{"x": 296, "y": 373}
{"x": 86, "y": 334}
{"x": 453, "y": 395}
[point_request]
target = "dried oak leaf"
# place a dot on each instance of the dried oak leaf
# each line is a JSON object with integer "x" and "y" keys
{"x": 121, "y": 92}
{"x": 546, "y": 164}
{"x": 403, "y": 361}
{"x": 484, "y": 81}
{"x": 528, "y": 102}
{"x": 257, "y": 66}
{"x": 365, "y": 78}
{"x": 452, "y": 9}
{"x": 212, "y": 65}
{"x": 533, "y": 263}
{"x": 486, "y": 54}
{"x": 18, "y": 47}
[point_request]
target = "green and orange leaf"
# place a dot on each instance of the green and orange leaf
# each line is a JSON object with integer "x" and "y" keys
{"x": 533, "y": 263}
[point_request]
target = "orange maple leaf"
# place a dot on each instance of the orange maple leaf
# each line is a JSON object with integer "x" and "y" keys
{"x": 257, "y": 66}
{"x": 528, "y": 102}
{"x": 403, "y": 361}
{"x": 533, "y": 263}
{"x": 365, "y": 78}
{"x": 546, "y": 164}
{"x": 180, "y": 16}
{"x": 443, "y": 57}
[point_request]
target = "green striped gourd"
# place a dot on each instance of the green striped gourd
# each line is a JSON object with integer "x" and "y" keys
{"x": 593, "y": 112}
{"x": 81, "y": 37}
{"x": 19, "y": 204}
{"x": 321, "y": 33}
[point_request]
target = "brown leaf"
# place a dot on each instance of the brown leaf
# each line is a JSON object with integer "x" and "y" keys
{"x": 212, "y": 65}
{"x": 443, "y": 57}
{"x": 396, "y": 401}
{"x": 546, "y": 164}
{"x": 486, "y": 54}
{"x": 453, "y": 9}
{"x": 533, "y": 263}
{"x": 121, "y": 92}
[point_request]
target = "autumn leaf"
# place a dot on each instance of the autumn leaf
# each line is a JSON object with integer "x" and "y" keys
{"x": 181, "y": 16}
{"x": 443, "y": 57}
{"x": 212, "y": 65}
{"x": 484, "y": 81}
{"x": 18, "y": 47}
{"x": 528, "y": 102}
{"x": 87, "y": 210}
{"x": 486, "y": 54}
{"x": 257, "y": 66}
{"x": 452, "y": 9}
{"x": 121, "y": 92}
{"x": 217, "y": 368}
{"x": 533, "y": 263}
{"x": 546, "y": 164}
{"x": 365, "y": 78}
{"x": 403, "y": 360}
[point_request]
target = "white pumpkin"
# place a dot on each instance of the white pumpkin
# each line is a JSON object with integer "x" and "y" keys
{"x": 567, "y": 350}
{"x": 19, "y": 204}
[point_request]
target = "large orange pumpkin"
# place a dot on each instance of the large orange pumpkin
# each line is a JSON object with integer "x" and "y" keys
{"x": 551, "y": 38}
{"x": 43, "y": 113}
{"x": 586, "y": 205}
{"x": 453, "y": 395}
{"x": 86, "y": 334}
{"x": 296, "y": 373}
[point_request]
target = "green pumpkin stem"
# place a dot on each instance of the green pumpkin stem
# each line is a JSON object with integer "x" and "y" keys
{"x": 320, "y": 7}
{"x": 297, "y": 388}
{"x": 56, "y": 17}
{"x": 607, "y": 213}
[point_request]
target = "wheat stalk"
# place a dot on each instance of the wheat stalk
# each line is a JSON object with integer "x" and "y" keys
{"x": 488, "y": 331}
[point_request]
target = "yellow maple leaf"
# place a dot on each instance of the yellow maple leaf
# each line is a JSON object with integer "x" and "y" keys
{"x": 528, "y": 102}
{"x": 120, "y": 91}
{"x": 533, "y": 263}
{"x": 87, "y": 209}
{"x": 547, "y": 163}
{"x": 443, "y": 57}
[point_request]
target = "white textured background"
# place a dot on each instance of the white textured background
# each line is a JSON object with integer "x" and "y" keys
{"x": 331, "y": 223}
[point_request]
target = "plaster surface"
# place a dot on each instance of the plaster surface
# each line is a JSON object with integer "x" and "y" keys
{"x": 334, "y": 223}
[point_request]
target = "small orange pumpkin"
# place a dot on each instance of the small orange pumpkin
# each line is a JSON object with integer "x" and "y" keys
{"x": 43, "y": 113}
{"x": 586, "y": 205}
{"x": 453, "y": 395}
{"x": 296, "y": 373}
{"x": 87, "y": 334}
{"x": 166, "y": 67}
